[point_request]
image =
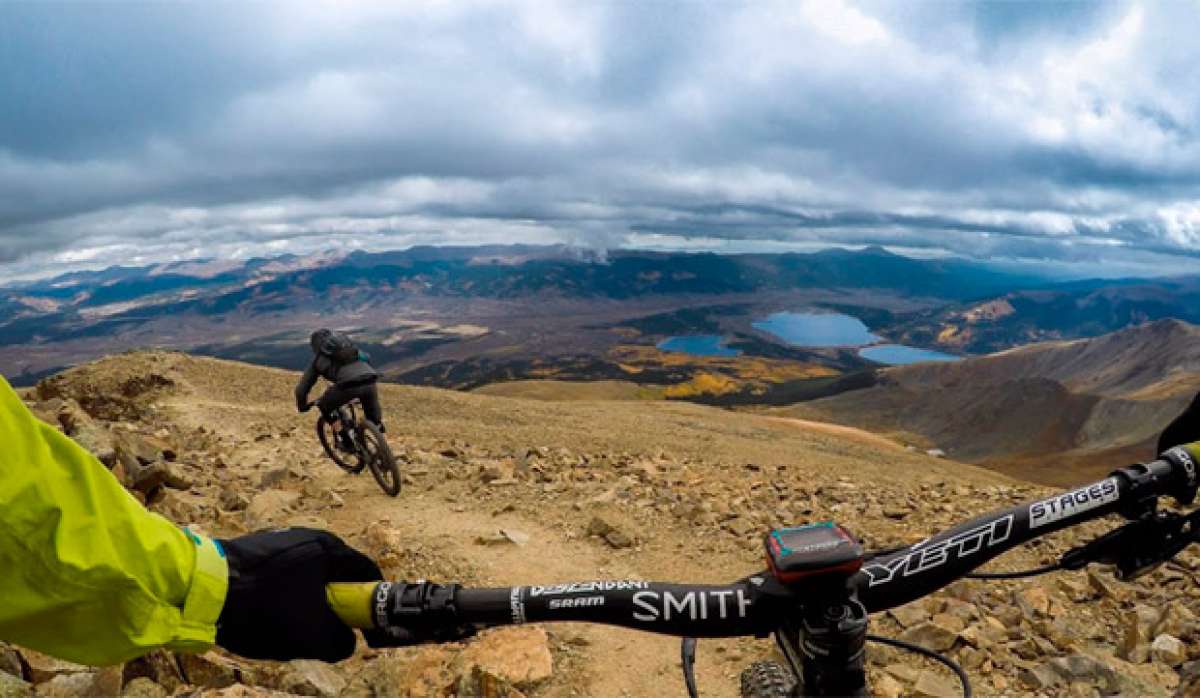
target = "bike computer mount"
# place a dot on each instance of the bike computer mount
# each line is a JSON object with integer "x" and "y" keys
{"x": 813, "y": 553}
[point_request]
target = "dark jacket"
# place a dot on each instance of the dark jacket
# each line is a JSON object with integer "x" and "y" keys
{"x": 322, "y": 366}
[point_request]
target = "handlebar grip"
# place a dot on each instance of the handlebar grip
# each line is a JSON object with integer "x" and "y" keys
{"x": 351, "y": 601}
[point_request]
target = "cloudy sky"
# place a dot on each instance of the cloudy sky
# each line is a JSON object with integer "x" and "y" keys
{"x": 1062, "y": 133}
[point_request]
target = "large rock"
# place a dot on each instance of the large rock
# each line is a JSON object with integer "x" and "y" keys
{"x": 424, "y": 673}
{"x": 1138, "y": 625}
{"x": 1169, "y": 650}
{"x": 13, "y": 687}
{"x": 10, "y": 661}
{"x": 232, "y": 499}
{"x": 269, "y": 508}
{"x": 142, "y": 687}
{"x": 311, "y": 678}
{"x": 931, "y": 635}
{"x": 209, "y": 670}
{"x": 105, "y": 682}
{"x": 150, "y": 478}
{"x": 43, "y": 667}
{"x": 519, "y": 655}
{"x": 930, "y": 685}
{"x": 87, "y": 432}
{"x": 138, "y": 448}
{"x": 1039, "y": 677}
{"x": 478, "y": 682}
{"x": 611, "y": 531}
{"x": 909, "y": 614}
{"x": 159, "y": 666}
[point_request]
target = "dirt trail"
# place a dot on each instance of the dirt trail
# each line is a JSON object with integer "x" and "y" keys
{"x": 840, "y": 430}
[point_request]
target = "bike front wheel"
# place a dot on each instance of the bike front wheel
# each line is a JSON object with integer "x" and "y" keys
{"x": 768, "y": 680}
{"x": 329, "y": 441}
{"x": 378, "y": 457}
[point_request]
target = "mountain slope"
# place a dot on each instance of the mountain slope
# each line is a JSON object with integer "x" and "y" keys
{"x": 1051, "y": 412}
{"x": 1067, "y": 311}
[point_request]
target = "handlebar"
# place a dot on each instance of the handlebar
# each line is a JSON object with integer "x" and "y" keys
{"x": 398, "y": 613}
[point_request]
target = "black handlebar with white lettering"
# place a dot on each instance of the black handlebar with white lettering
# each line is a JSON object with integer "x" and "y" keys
{"x": 406, "y": 614}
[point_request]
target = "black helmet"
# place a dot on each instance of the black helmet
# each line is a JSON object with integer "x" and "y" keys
{"x": 318, "y": 339}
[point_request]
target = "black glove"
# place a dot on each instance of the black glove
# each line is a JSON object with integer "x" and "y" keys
{"x": 276, "y": 606}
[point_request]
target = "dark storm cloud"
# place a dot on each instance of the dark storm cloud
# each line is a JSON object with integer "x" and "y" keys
{"x": 1058, "y": 131}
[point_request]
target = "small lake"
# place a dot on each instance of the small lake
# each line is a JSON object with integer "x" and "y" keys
{"x": 698, "y": 345}
{"x": 817, "y": 329}
{"x": 898, "y": 354}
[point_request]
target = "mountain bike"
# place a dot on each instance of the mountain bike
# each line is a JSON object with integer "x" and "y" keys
{"x": 819, "y": 587}
{"x": 355, "y": 443}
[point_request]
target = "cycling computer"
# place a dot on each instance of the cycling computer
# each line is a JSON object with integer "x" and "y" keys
{"x": 805, "y": 552}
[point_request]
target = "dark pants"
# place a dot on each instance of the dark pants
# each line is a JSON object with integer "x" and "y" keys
{"x": 338, "y": 395}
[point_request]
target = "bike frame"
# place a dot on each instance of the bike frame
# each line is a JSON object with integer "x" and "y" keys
{"x": 819, "y": 625}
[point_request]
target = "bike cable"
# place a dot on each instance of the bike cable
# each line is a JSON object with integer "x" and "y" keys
{"x": 1045, "y": 569}
{"x": 925, "y": 652}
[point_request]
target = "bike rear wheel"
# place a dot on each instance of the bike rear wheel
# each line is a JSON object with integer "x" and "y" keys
{"x": 768, "y": 680}
{"x": 378, "y": 457}
{"x": 328, "y": 438}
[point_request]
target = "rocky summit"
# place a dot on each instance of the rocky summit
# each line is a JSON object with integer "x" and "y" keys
{"x": 502, "y": 491}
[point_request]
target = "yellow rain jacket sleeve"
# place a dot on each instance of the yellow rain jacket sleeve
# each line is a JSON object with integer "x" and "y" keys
{"x": 86, "y": 573}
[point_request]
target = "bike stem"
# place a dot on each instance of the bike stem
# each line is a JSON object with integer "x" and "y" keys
{"x": 826, "y": 645}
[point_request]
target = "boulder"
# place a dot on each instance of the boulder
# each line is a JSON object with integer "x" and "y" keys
{"x": 909, "y": 614}
{"x": 887, "y": 687}
{"x": 232, "y": 499}
{"x": 209, "y": 670}
{"x": 133, "y": 446}
{"x": 105, "y": 682}
{"x": 43, "y": 667}
{"x": 87, "y": 432}
{"x": 930, "y": 685}
{"x": 311, "y": 678}
{"x": 180, "y": 507}
{"x": 10, "y": 661}
{"x": 142, "y": 687}
{"x": 480, "y": 683}
{"x": 149, "y": 478}
{"x": 1086, "y": 668}
{"x": 270, "y": 507}
{"x": 159, "y": 666}
{"x": 1135, "y": 641}
{"x": 518, "y": 655}
{"x": 1169, "y": 650}
{"x": 610, "y": 531}
{"x": 1039, "y": 677}
{"x": 13, "y": 687}
{"x": 931, "y": 635}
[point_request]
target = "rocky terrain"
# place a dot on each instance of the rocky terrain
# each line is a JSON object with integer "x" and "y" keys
{"x": 502, "y": 491}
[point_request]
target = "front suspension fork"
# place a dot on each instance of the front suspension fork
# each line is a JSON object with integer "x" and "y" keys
{"x": 826, "y": 649}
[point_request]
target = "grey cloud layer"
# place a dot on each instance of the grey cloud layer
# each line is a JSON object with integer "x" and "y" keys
{"x": 1064, "y": 131}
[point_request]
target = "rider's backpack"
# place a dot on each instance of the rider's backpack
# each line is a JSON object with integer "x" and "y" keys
{"x": 340, "y": 349}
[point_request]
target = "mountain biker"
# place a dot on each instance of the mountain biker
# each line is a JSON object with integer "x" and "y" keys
{"x": 337, "y": 360}
{"x": 89, "y": 575}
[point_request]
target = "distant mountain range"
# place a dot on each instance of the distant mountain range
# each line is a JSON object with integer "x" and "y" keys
{"x": 467, "y": 315}
{"x": 176, "y": 305}
{"x": 1080, "y": 309}
{"x": 1051, "y": 412}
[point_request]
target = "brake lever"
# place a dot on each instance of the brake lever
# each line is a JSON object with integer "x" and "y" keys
{"x": 687, "y": 652}
{"x": 1138, "y": 547}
